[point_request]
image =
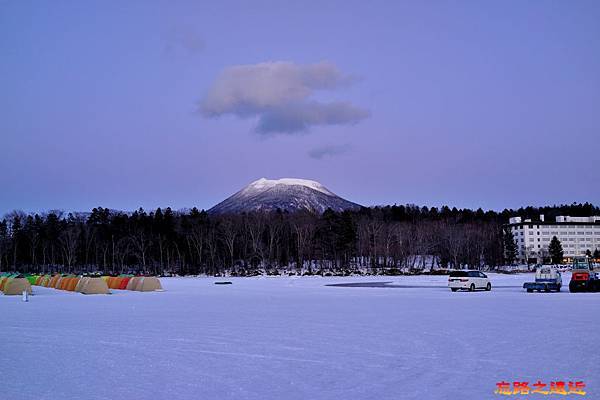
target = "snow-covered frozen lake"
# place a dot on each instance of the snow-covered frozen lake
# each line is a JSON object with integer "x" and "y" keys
{"x": 296, "y": 338}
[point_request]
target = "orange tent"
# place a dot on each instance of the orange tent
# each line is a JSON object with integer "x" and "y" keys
{"x": 60, "y": 284}
{"x": 53, "y": 281}
{"x": 117, "y": 282}
{"x": 113, "y": 282}
{"x": 72, "y": 284}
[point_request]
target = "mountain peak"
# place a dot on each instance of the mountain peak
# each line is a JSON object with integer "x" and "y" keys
{"x": 264, "y": 183}
{"x": 288, "y": 194}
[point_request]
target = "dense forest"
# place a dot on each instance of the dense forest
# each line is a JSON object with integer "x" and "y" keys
{"x": 388, "y": 240}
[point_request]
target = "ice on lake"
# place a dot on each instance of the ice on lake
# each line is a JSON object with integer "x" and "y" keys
{"x": 296, "y": 338}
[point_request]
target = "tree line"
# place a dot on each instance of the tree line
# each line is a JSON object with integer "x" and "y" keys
{"x": 388, "y": 239}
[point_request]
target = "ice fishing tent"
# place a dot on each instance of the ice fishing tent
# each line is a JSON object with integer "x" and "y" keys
{"x": 80, "y": 283}
{"x": 94, "y": 286}
{"x": 132, "y": 283}
{"x": 147, "y": 284}
{"x": 72, "y": 284}
{"x": 46, "y": 281}
{"x": 124, "y": 282}
{"x": 16, "y": 285}
{"x": 114, "y": 282}
{"x": 67, "y": 283}
{"x": 3, "y": 279}
{"x": 53, "y": 281}
{"x": 58, "y": 283}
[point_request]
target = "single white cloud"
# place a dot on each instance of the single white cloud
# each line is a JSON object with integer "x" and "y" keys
{"x": 279, "y": 95}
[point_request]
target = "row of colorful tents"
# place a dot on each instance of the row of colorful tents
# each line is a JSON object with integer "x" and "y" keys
{"x": 81, "y": 284}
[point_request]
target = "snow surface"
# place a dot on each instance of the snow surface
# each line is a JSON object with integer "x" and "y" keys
{"x": 295, "y": 338}
{"x": 264, "y": 184}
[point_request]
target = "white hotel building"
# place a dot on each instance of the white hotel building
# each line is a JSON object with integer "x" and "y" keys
{"x": 576, "y": 234}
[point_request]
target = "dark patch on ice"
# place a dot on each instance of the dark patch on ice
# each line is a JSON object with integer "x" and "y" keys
{"x": 363, "y": 284}
{"x": 395, "y": 286}
{"x": 384, "y": 285}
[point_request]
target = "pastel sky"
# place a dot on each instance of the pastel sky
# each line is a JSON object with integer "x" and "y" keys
{"x": 127, "y": 104}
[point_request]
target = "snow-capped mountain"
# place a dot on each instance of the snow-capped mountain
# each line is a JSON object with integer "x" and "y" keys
{"x": 287, "y": 194}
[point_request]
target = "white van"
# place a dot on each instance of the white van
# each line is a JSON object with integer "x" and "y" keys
{"x": 468, "y": 280}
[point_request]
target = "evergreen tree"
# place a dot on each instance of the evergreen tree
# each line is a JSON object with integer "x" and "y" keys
{"x": 597, "y": 254}
{"x": 556, "y": 251}
{"x": 510, "y": 247}
{"x": 588, "y": 253}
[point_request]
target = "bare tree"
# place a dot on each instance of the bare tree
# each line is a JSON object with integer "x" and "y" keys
{"x": 121, "y": 250}
{"x": 69, "y": 240}
{"x": 140, "y": 244}
{"x": 254, "y": 225}
{"x": 229, "y": 231}
{"x": 304, "y": 228}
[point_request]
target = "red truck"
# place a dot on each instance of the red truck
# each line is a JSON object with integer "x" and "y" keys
{"x": 583, "y": 277}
